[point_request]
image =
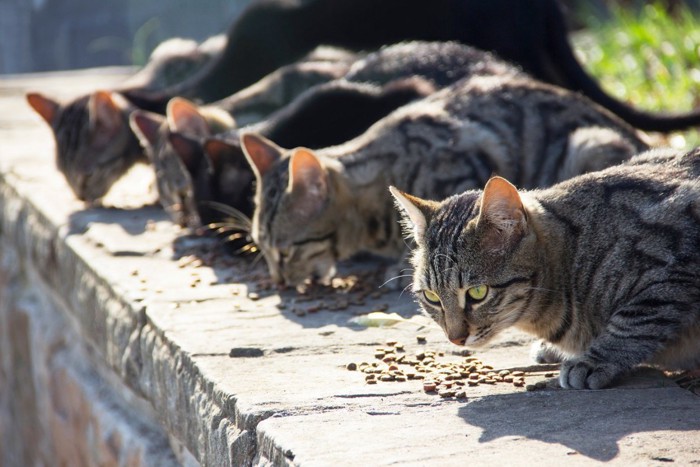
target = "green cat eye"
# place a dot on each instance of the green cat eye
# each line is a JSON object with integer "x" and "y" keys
{"x": 431, "y": 297}
{"x": 478, "y": 293}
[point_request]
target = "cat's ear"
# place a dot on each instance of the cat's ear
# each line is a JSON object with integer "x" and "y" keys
{"x": 146, "y": 126}
{"x": 416, "y": 212}
{"x": 188, "y": 149}
{"x": 308, "y": 182}
{"x": 46, "y": 107}
{"x": 260, "y": 152}
{"x": 502, "y": 215}
{"x": 216, "y": 150}
{"x": 105, "y": 114}
{"x": 185, "y": 117}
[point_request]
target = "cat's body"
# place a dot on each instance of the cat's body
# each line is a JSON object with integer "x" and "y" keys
{"x": 272, "y": 33}
{"x": 605, "y": 267}
{"x": 174, "y": 61}
{"x": 325, "y": 115}
{"x": 313, "y": 210}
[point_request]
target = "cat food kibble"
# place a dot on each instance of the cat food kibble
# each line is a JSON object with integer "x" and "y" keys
{"x": 448, "y": 379}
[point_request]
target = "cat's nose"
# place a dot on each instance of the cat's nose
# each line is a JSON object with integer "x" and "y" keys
{"x": 459, "y": 340}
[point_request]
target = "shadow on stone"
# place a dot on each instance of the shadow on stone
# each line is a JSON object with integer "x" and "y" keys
{"x": 590, "y": 423}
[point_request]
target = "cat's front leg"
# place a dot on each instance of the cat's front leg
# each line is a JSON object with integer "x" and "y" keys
{"x": 632, "y": 336}
{"x": 587, "y": 373}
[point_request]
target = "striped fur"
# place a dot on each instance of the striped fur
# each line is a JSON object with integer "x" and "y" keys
{"x": 604, "y": 267}
{"x": 453, "y": 140}
{"x": 94, "y": 146}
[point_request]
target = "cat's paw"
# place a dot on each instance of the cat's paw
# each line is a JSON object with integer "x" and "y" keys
{"x": 584, "y": 373}
{"x": 544, "y": 352}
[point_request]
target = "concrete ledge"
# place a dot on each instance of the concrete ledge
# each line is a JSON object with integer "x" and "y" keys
{"x": 122, "y": 342}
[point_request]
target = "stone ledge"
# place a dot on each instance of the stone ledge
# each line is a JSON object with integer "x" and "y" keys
{"x": 110, "y": 343}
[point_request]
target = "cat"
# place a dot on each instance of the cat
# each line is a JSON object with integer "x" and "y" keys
{"x": 170, "y": 145}
{"x": 325, "y": 115}
{"x": 313, "y": 209}
{"x": 604, "y": 267}
{"x": 95, "y": 144}
{"x": 174, "y": 60}
{"x": 529, "y": 33}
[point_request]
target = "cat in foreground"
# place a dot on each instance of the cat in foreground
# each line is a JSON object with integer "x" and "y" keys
{"x": 604, "y": 268}
{"x": 316, "y": 208}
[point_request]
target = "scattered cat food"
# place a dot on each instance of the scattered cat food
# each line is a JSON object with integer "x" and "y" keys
{"x": 421, "y": 339}
{"x": 447, "y": 379}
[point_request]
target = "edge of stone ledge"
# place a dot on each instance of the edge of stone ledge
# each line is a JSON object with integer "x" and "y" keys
{"x": 206, "y": 421}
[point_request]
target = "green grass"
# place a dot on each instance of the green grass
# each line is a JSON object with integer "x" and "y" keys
{"x": 646, "y": 57}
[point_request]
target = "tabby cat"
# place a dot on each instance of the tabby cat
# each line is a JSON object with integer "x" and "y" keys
{"x": 172, "y": 145}
{"x": 325, "y": 115}
{"x": 313, "y": 209}
{"x": 604, "y": 267}
{"x": 95, "y": 145}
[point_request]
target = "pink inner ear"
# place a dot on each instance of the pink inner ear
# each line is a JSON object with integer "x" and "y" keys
{"x": 260, "y": 152}
{"x": 307, "y": 174}
{"x": 184, "y": 117}
{"x": 148, "y": 124}
{"x": 45, "y": 107}
{"x": 104, "y": 112}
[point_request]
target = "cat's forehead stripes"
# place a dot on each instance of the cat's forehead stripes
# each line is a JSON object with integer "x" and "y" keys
{"x": 443, "y": 237}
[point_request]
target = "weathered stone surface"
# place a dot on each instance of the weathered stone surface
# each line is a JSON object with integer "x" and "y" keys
{"x": 118, "y": 335}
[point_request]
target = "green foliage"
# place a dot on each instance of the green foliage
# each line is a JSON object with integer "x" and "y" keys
{"x": 648, "y": 57}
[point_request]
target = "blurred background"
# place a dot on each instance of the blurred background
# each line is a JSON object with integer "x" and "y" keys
{"x": 43, "y": 35}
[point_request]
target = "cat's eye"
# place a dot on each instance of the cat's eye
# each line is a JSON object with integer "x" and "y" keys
{"x": 431, "y": 297}
{"x": 477, "y": 293}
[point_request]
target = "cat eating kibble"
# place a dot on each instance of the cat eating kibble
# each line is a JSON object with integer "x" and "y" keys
{"x": 604, "y": 268}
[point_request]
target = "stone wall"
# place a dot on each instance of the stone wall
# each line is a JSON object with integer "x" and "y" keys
{"x": 60, "y": 405}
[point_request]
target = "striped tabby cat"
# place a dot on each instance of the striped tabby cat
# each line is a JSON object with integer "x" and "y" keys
{"x": 313, "y": 209}
{"x": 604, "y": 267}
{"x": 95, "y": 146}
{"x": 173, "y": 146}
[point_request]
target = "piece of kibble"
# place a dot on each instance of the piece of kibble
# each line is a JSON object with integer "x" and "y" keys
{"x": 472, "y": 382}
{"x": 518, "y": 373}
{"x": 549, "y": 375}
{"x": 518, "y": 383}
{"x": 461, "y": 394}
{"x": 351, "y": 366}
{"x": 541, "y": 384}
{"x": 446, "y": 393}
{"x": 421, "y": 339}
{"x": 391, "y": 343}
{"x": 371, "y": 381}
{"x": 253, "y": 296}
{"x": 530, "y": 387}
{"x": 503, "y": 373}
{"x": 429, "y": 386}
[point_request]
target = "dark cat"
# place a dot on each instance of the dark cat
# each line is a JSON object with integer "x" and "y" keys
{"x": 325, "y": 115}
{"x": 315, "y": 209}
{"x": 94, "y": 142}
{"x": 530, "y": 33}
{"x": 604, "y": 267}
{"x": 172, "y": 145}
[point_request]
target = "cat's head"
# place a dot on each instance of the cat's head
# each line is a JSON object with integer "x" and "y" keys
{"x": 474, "y": 260}
{"x": 94, "y": 144}
{"x": 291, "y": 222}
{"x": 230, "y": 179}
{"x": 174, "y": 145}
